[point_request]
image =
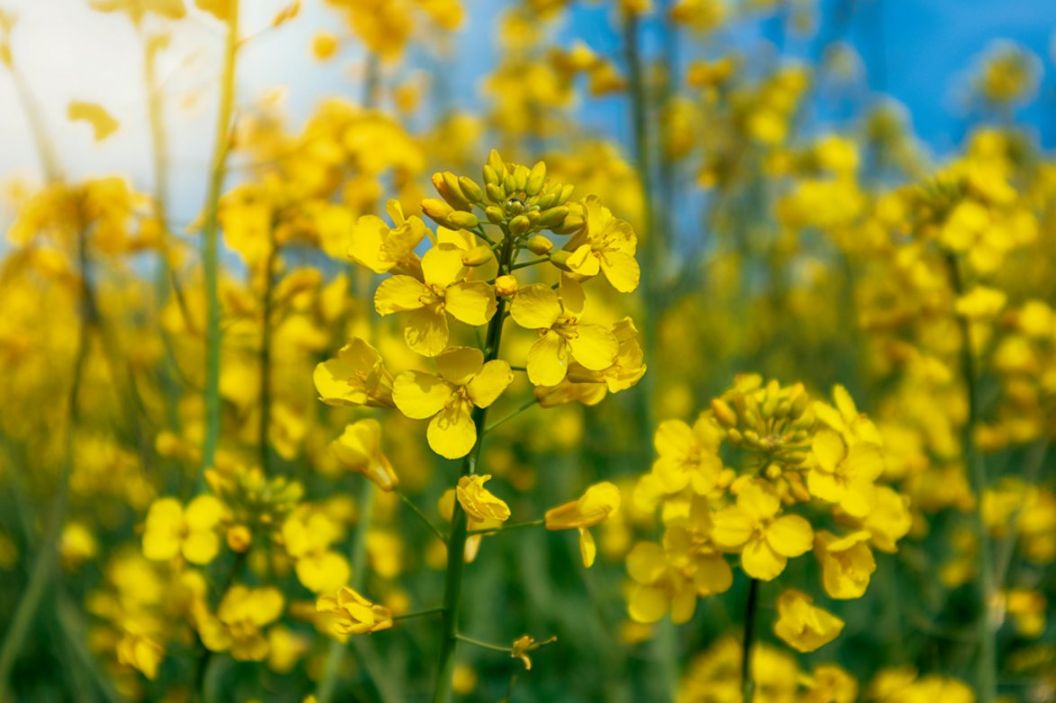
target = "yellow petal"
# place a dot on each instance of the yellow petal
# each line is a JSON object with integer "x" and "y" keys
{"x": 594, "y": 347}
{"x": 458, "y": 365}
{"x": 621, "y": 270}
{"x": 760, "y": 561}
{"x": 442, "y": 265}
{"x": 204, "y": 512}
{"x": 647, "y": 604}
{"x": 535, "y": 307}
{"x": 548, "y": 360}
{"x": 790, "y": 535}
{"x": 451, "y": 433}
{"x": 472, "y": 302}
{"x": 587, "y": 548}
{"x": 731, "y": 528}
{"x": 400, "y": 294}
{"x": 420, "y": 395}
{"x": 426, "y": 331}
{"x": 103, "y": 124}
{"x": 494, "y": 378}
{"x": 829, "y": 449}
{"x": 200, "y": 546}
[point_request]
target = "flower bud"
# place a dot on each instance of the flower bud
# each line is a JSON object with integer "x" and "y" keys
{"x": 540, "y": 245}
{"x": 447, "y": 186}
{"x": 535, "y": 179}
{"x": 491, "y": 176}
{"x": 573, "y": 223}
{"x": 495, "y": 162}
{"x": 463, "y": 220}
{"x": 519, "y": 225}
{"x": 566, "y": 193}
{"x": 554, "y": 217}
{"x": 477, "y": 256}
{"x": 470, "y": 189}
{"x": 494, "y": 214}
{"x": 495, "y": 193}
{"x": 506, "y": 285}
{"x": 437, "y": 210}
{"x": 723, "y": 412}
{"x": 520, "y": 177}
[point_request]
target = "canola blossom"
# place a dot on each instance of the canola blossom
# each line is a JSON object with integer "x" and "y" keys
{"x": 660, "y": 361}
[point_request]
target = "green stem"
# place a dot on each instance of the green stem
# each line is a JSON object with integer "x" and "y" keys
{"x": 502, "y": 420}
{"x": 482, "y": 644}
{"x": 422, "y": 516}
{"x": 456, "y": 543}
{"x": 526, "y": 264}
{"x": 418, "y": 614}
{"x": 40, "y": 574}
{"x": 265, "y": 356}
{"x": 747, "y": 680}
{"x": 986, "y": 672}
{"x": 210, "y": 245}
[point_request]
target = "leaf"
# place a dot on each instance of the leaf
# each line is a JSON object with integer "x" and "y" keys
{"x": 102, "y": 122}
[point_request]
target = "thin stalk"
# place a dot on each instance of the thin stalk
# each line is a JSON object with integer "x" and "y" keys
{"x": 265, "y": 356}
{"x": 482, "y": 644}
{"x": 986, "y": 668}
{"x": 747, "y": 679}
{"x": 422, "y": 516}
{"x": 456, "y": 543}
{"x": 418, "y": 614}
{"x": 210, "y": 245}
{"x": 506, "y": 418}
{"x": 40, "y": 574}
{"x": 508, "y": 527}
{"x": 49, "y": 163}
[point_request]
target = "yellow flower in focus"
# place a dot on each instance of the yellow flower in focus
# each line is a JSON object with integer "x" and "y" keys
{"x": 381, "y": 248}
{"x": 349, "y": 613}
{"x": 593, "y": 507}
{"x": 356, "y": 376}
{"x": 562, "y": 335}
{"x": 688, "y": 456}
{"x": 171, "y": 529}
{"x": 753, "y": 527}
{"x": 479, "y": 503}
{"x": 844, "y": 475}
{"x": 465, "y": 381}
{"x": 847, "y": 563}
{"x": 803, "y": 626}
{"x": 359, "y": 449}
{"x": 428, "y": 302}
{"x": 605, "y": 244}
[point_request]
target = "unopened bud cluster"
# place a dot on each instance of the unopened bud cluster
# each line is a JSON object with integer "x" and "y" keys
{"x": 771, "y": 421}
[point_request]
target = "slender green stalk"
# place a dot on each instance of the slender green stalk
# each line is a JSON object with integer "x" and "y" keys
{"x": 418, "y": 614}
{"x": 44, "y": 564}
{"x": 265, "y": 355}
{"x": 751, "y": 606}
{"x": 482, "y": 644}
{"x": 502, "y": 420}
{"x": 456, "y": 543}
{"x": 507, "y": 527}
{"x": 210, "y": 245}
{"x": 422, "y": 516}
{"x": 49, "y": 163}
{"x": 986, "y": 666}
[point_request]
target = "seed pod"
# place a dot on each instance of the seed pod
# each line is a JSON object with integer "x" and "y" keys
{"x": 536, "y": 178}
{"x": 540, "y": 245}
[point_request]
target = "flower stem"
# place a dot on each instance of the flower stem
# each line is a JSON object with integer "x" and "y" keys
{"x": 986, "y": 673}
{"x": 747, "y": 680}
{"x": 504, "y": 528}
{"x": 456, "y": 543}
{"x": 265, "y": 354}
{"x": 418, "y": 614}
{"x": 502, "y": 420}
{"x": 482, "y": 644}
{"x": 422, "y": 516}
{"x": 210, "y": 246}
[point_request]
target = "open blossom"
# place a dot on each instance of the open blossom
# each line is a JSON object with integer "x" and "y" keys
{"x": 754, "y": 527}
{"x": 172, "y": 530}
{"x": 479, "y": 503}
{"x": 349, "y": 613}
{"x": 562, "y": 337}
{"x": 605, "y": 244}
{"x": 381, "y": 248}
{"x": 687, "y": 456}
{"x": 844, "y": 474}
{"x": 359, "y": 449}
{"x": 594, "y": 506}
{"x": 239, "y": 623}
{"x": 465, "y": 382}
{"x": 442, "y": 291}
{"x": 847, "y": 563}
{"x": 356, "y": 376}
{"x": 802, "y": 625}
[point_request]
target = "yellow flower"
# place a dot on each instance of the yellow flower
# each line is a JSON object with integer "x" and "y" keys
{"x": 538, "y": 307}
{"x": 980, "y": 303}
{"x": 356, "y": 376}
{"x": 359, "y": 449}
{"x": 478, "y": 502}
{"x": 688, "y": 456}
{"x": 141, "y": 653}
{"x": 239, "y": 622}
{"x": 441, "y": 292}
{"x": 846, "y": 563}
{"x": 594, "y": 506}
{"x": 844, "y": 475}
{"x": 172, "y": 529}
{"x": 307, "y": 535}
{"x": 829, "y": 683}
{"x": 381, "y": 248}
{"x": 525, "y": 644}
{"x": 752, "y": 526}
{"x": 803, "y": 626}
{"x": 464, "y": 381}
{"x": 605, "y": 244}
{"x": 889, "y": 520}
{"x": 352, "y": 614}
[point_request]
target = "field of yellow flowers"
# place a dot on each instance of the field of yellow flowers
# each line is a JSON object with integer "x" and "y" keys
{"x": 429, "y": 402}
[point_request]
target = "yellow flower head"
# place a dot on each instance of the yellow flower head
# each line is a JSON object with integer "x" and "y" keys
{"x": 478, "y": 502}
{"x": 356, "y": 376}
{"x": 359, "y": 449}
{"x": 352, "y": 614}
{"x": 381, "y": 248}
{"x": 847, "y": 563}
{"x": 594, "y": 506}
{"x": 464, "y": 381}
{"x": 141, "y": 653}
{"x": 239, "y": 622}
{"x": 605, "y": 244}
{"x": 442, "y": 291}
{"x": 803, "y": 626}
{"x": 172, "y": 530}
